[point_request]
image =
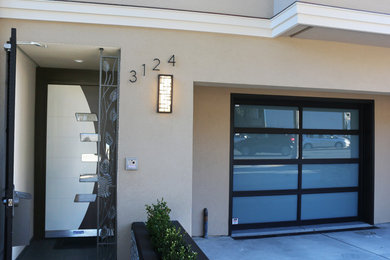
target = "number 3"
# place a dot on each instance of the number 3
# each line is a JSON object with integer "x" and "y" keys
{"x": 134, "y": 76}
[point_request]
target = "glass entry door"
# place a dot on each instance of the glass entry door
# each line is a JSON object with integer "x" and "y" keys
{"x": 295, "y": 161}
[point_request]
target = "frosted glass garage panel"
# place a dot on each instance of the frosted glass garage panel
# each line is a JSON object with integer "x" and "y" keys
{"x": 330, "y": 175}
{"x": 265, "y": 116}
{"x": 330, "y": 118}
{"x": 265, "y": 177}
{"x": 329, "y": 205}
{"x": 263, "y": 209}
{"x": 330, "y": 146}
{"x": 265, "y": 146}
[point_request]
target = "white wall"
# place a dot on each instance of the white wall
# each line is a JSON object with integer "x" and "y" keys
{"x": 24, "y": 132}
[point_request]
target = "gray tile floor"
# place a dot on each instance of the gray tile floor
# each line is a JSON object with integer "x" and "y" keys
{"x": 60, "y": 249}
{"x": 361, "y": 244}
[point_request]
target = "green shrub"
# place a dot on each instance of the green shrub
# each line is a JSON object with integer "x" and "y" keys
{"x": 166, "y": 239}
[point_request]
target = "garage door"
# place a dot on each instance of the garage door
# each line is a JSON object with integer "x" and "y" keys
{"x": 298, "y": 161}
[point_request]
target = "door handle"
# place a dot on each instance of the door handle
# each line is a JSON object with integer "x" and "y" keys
{"x": 18, "y": 195}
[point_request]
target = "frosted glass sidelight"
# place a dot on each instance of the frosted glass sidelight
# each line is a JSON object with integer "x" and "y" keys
{"x": 265, "y": 177}
{"x": 265, "y": 116}
{"x": 330, "y": 175}
{"x": 330, "y": 146}
{"x": 261, "y": 209}
{"x": 330, "y": 118}
{"x": 265, "y": 146}
{"x": 329, "y": 205}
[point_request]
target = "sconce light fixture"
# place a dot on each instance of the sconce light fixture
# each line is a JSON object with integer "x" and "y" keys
{"x": 165, "y": 88}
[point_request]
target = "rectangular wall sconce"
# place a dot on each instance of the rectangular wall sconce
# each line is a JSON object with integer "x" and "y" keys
{"x": 165, "y": 89}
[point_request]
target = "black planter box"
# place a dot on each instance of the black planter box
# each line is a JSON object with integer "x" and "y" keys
{"x": 145, "y": 248}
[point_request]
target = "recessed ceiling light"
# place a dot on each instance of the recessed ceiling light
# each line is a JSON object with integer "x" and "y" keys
{"x": 79, "y": 61}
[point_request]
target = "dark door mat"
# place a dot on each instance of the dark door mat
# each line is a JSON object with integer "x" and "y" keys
{"x": 75, "y": 243}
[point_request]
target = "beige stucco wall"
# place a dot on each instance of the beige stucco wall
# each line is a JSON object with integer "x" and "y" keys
{"x": 253, "y": 8}
{"x": 212, "y": 145}
{"x": 162, "y": 143}
{"x": 24, "y": 135}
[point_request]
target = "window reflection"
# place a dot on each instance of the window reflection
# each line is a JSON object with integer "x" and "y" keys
{"x": 265, "y": 116}
{"x": 250, "y": 146}
{"x": 330, "y": 118}
{"x": 330, "y": 146}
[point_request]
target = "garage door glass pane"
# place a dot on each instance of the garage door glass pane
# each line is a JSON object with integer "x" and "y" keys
{"x": 265, "y": 177}
{"x": 330, "y": 146}
{"x": 265, "y": 146}
{"x": 329, "y": 205}
{"x": 329, "y": 118}
{"x": 330, "y": 175}
{"x": 265, "y": 116}
{"x": 265, "y": 209}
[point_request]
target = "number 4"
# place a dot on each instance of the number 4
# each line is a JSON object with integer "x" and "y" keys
{"x": 172, "y": 60}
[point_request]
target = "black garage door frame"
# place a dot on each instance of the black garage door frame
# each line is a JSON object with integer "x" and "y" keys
{"x": 365, "y": 188}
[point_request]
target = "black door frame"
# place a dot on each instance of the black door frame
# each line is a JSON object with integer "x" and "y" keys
{"x": 10, "y": 138}
{"x": 44, "y": 77}
{"x": 366, "y": 153}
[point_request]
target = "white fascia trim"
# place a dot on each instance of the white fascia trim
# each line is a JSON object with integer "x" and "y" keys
{"x": 284, "y": 21}
{"x": 44, "y": 10}
{"x": 341, "y": 18}
{"x": 297, "y": 14}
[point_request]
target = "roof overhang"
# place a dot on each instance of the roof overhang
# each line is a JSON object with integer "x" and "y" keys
{"x": 295, "y": 21}
{"x": 322, "y": 22}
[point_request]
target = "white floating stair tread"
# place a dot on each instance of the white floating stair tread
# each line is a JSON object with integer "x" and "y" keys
{"x": 85, "y": 198}
{"x": 88, "y": 178}
{"x": 86, "y": 117}
{"x": 89, "y": 137}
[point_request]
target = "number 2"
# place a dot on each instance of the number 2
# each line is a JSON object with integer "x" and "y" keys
{"x": 158, "y": 64}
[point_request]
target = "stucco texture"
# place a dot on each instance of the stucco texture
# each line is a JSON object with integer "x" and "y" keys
{"x": 163, "y": 143}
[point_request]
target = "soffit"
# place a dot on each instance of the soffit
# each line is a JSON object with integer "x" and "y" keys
{"x": 338, "y": 35}
{"x": 64, "y": 55}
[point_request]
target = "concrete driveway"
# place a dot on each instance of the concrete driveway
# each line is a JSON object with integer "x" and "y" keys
{"x": 359, "y": 244}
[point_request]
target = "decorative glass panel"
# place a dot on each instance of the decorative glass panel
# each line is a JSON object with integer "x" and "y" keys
{"x": 84, "y": 137}
{"x": 86, "y": 117}
{"x": 107, "y": 167}
{"x": 265, "y": 146}
{"x": 263, "y": 209}
{"x": 330, "y": 175}
{"x": 265, "y": 116}
{"x": 330, "y": 146}
{"x": 329, "y": 205}
{"x": 330, "y": 118}
{"x": 265, "y": 177}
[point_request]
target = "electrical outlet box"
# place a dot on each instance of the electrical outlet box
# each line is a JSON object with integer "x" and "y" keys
{"x": 131, "y": 164}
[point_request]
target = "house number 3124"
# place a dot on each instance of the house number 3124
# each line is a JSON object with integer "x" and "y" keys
{"x": 155, "y": 67}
